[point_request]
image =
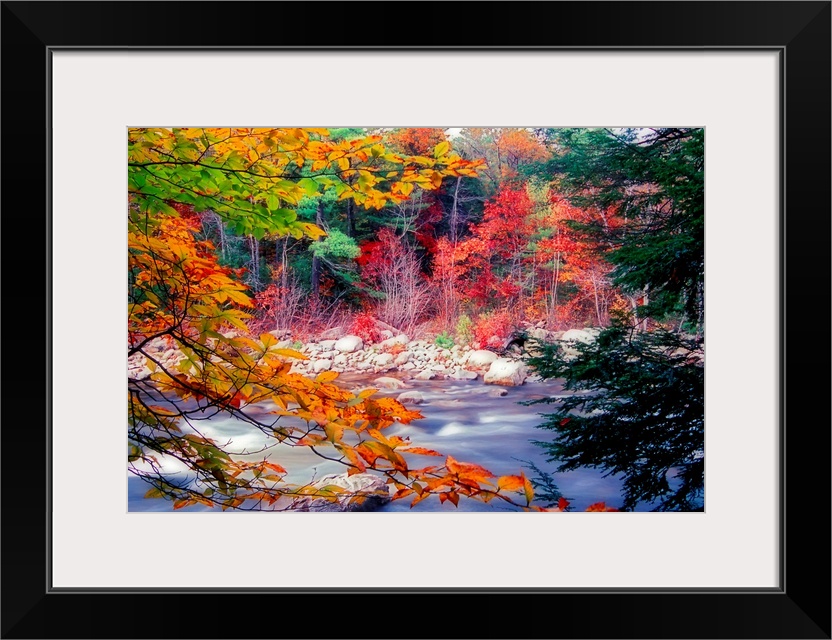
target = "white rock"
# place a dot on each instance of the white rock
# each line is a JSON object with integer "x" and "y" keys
{"x": 326, "y": 345}
{"x": 425, "y": 375}
{"x": 480, "y": 358}
{"x": 505, "y": 372}
{"x": 364, "y": 492}
{"x": 363, "y": 366}
{"x": 539, "y": 334}
{"x": 138, "y": 374}
{"x": 407, "y": 366}
{"x": 332, "y": 334}
{"x": 578, "y": 335}
{"x": 340, "y": 359}
{"x": 498, "y": 392}
{"x": 462, "y": 374}
{"x": 411, "y": 397}
{"x": 388, "y": 383}
{"x": 403, "y": 357}
{"x": 321, "y": 365}
{"x": 348, "y": 344}
{"x": 383, "y": 359}
{"x": 399, "y": 339}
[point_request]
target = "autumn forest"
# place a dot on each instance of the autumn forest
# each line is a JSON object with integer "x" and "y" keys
{"x": 441, "y": 319}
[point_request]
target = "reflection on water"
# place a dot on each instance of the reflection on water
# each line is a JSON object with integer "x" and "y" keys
{"x": 464, "y": 419}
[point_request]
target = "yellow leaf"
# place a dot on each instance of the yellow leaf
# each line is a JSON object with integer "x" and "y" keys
{"x": 527, "y": 488}
{"x": 334, "y": 432}
{"x": 441, "y": 149}
{"x": 326, "y": 376}
{"x": 290, "y": 353}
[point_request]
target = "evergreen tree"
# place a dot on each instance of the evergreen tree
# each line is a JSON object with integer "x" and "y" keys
{"x": 638, "y": 408}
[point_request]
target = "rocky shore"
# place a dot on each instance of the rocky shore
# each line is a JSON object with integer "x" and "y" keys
{"x": 395, "y": 354}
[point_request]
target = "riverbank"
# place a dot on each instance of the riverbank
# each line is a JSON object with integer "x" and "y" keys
{"x": 408, "y": 359}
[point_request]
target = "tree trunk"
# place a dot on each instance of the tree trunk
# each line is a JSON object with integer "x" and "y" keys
{"x": 350, "y": 218}
{"x": 284, "y": 276}
{"x": 555, "y": 282}
{"x": 222, "y": 235}
{"x": 597, "y": 305}
{"x": 254, "y": 247}
{"x": 315, "y": 282}
{"x": 455, "y": 212}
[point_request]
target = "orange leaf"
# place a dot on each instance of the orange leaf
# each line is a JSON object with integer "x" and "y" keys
{"x": 359, "y": 466}
{"x": 419, "y": 498}
{"x": 510, "y": 483}
{"x": 600, "y": 506}
{"x": 274, "y": 467}
{"x": 466, "y": 471}
{"x": 401, "y": 493}
{"x": 420, "y": 451}
{"x": 367, "y": 453}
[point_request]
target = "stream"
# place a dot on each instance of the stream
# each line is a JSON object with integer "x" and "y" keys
{"x": 464, "y": 419}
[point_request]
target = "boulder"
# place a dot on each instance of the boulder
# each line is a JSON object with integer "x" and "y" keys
{"x": 383, "y": 359}
{"x": 480, "y": 358}
{"x": 411, "y": 397}
{"x": 462, "y": 374}
{"x": 407, "y": 366}
{"x": 539, "y": 334}
{"x": 363, "y": 492}
{"x": 506, "y": 373}
{"x": 349, "y": 344}
{"x": 321, "y": 365}
{"x": 326, "y": 345}
{"x": 332, "y": 334}
{"x": 425, "y": 375}
{"x": 578, "y": 335}
{"x": 388, "y": 383}
{"x": 499, "y": 392}
{"x": 402, "y": 358}
{"x": 390, "y": 342}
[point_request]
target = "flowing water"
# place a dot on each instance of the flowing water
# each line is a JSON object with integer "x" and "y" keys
{"x": 464, "y": 419}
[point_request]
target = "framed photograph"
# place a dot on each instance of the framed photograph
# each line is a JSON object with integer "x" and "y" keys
{"x": 732, "y": 97}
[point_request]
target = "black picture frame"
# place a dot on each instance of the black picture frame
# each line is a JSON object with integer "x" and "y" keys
{"x": 800, "y": 608}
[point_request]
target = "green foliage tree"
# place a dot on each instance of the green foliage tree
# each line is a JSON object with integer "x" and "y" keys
{"x": 638, "y": 408}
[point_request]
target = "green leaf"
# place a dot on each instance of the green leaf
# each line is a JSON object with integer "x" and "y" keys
{"x": 309, "y": 186}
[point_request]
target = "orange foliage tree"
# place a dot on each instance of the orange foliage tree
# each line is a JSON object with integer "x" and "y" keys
{"x": 180, "y": 297}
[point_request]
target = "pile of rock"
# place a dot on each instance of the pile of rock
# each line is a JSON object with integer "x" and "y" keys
{"x": 410, "y": 359}
{"x": 418, "y": 359}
